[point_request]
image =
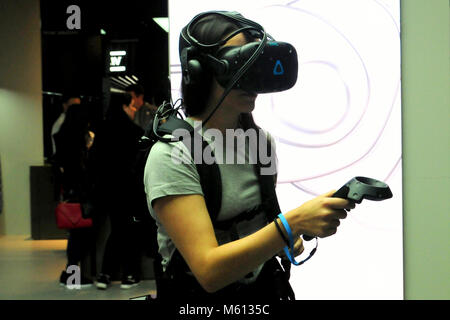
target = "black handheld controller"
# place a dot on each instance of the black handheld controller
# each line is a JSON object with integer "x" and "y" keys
{"x": 360, "y": 188}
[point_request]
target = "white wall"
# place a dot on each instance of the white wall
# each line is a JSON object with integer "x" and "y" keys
{"x": 21, "y": 132}
{"x": 341, "y": 119}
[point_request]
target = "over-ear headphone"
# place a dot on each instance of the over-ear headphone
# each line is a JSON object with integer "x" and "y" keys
{"x": 190, "y": 65}
{"x": 256, "y": 67}
{"x": 194, "y": 55}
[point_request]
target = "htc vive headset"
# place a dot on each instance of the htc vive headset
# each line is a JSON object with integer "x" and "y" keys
{"x": 257, "y": 67}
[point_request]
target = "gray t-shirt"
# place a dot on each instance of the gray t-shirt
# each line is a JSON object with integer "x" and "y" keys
{"x": 170, "y": 170}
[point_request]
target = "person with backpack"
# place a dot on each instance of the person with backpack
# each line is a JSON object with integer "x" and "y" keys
{"x": 218, "y": 228}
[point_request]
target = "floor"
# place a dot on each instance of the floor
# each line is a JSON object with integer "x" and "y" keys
{"x": 30, "y": 270}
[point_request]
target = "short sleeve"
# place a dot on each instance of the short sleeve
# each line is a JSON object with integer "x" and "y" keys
{"x": 170, "y": 171}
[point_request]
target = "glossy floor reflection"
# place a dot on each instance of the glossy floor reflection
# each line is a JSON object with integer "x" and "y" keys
{"x": 30, "y": 270}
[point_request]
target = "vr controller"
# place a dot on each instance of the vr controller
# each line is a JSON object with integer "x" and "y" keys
{"x": 360, "y": 188}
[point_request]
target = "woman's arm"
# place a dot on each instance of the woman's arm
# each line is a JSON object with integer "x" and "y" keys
{"x": 188, "y": 223}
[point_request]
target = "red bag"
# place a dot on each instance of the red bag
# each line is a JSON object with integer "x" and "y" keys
{"x": 68, "y": 216}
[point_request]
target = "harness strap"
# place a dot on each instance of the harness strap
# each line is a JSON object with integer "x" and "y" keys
{"x": 211, "y": 184}
{"x": 209, "y": 174}
{"x": 244, "y": 216}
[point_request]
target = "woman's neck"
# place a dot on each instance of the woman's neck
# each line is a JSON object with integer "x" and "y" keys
{"x": 222, "y": 119}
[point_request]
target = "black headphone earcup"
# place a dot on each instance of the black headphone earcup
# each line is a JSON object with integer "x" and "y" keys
{"x": 190, "y": 67}
{"x": 194, "y": 71}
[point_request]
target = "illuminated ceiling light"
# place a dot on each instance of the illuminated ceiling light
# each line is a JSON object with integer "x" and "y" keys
{"x": 125, "y": 84}
{"x": 52, "y": 93}
{"x": 118, "y": 82}
{"x": 163, "y": 22}
{"x": 124, "y": 80}
{"x": 135, "y": 78}
{"x": 102, "y": 31}
{"x": 116, "y": 90}
{"x": 131, "y": 80}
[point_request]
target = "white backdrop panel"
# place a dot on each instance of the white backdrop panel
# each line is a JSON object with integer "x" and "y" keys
{"x": 342, "y": 119}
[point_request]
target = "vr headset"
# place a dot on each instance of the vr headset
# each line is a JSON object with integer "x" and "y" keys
{"x": 275, "y": 69}
{"x": 257, "y": 67}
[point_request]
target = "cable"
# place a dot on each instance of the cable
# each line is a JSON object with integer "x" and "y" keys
{"x": 239, "y": 74}
{"x": 248, "y": 25}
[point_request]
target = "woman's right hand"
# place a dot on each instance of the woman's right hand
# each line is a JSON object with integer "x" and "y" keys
{"x": 319, "y": 217}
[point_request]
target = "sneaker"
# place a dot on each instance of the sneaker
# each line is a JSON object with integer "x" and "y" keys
{"x": 63, "y": 278}
{"x": 103, "y": 281}
{"x": 129, "y": 282}
{"x": 84, "y": 282}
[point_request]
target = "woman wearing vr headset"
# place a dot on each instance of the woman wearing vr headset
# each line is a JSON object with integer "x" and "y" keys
{"x": 237, "y": 263}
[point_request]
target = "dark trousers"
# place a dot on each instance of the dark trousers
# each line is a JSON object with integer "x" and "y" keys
{"x": 80, "y": 246}
{"x": 123, "y": 248}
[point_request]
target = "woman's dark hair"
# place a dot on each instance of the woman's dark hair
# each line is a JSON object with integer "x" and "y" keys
{"x": 115, "y": 110}
{"x": 136, "y": 88}
{"x": 208, "y": 30}
{"x": 71, "y": 138}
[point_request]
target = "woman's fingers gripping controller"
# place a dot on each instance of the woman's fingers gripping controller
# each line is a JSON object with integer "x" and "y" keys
{"x": 321, "y": 216}
{"x": 350, "y": 204}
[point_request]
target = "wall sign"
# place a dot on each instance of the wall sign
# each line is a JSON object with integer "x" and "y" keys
{"x": 117, "y": 61}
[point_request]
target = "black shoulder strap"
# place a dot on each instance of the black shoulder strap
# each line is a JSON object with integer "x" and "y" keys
{"x": 210, "y": 179}
{"x": 267, "y": 183}
{"x": 266, "y": 173}
{"x": 172, "y": 124}
{"x": 211, "y": 184}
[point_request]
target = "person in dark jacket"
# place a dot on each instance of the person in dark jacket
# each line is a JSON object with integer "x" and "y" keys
{"x": 116, "y": 189}
{"x": 73, "y": 142}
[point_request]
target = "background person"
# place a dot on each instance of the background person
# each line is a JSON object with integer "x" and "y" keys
{"x": 116, "y": 190}
{"x": 67, "y": 101}
{"x": 73, "y": 142}
{"x": 145, "y": 111}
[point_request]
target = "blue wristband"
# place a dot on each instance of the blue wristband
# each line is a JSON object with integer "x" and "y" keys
{"x": 289, "y": 253}
{"x": 288, "y": 229}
